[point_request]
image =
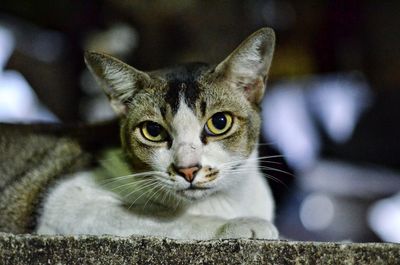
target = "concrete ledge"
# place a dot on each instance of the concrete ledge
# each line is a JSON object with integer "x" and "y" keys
{"x": 35, "y": 249}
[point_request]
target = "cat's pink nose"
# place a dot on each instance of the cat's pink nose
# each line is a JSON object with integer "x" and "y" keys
{"x": 188, "y": 173}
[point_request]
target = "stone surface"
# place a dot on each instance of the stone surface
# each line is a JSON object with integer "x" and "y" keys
{"x": 35, "y": 249}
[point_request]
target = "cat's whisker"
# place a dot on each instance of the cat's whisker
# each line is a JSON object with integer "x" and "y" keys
{"x": 176, "y": 200}
{"x": 276, "y": 180}
{"x": 277, "y": 170}
{"x": 112, "y": 180}
{"x": 117, "y": 188}
{"x": 269, "y": 169}
{"x": 137, "y": 190}
{"x": 245, "y": 170}
{"x": 269, "y": 162}
{"x": 272, "y": 162}
{"x": 229, "y": 165}
{"x": 267, "y": 175}
{"x": 167, "y": 196}
{"x": 170, "y": 197}
{"x": 147, "y": 173}
{"x": 155, "y": 185}
{"x": 152, "y": 193}
{"x": 160, "y": 188}
{"x": 130, "y": 186}
{"x": 133, "y": 183}
{"x": 261, "y": 158}
{"x": 133, "y": 180}
{"x": 148, "y": 185}
{"x": 160, "y": 199}
{"x": 161, "y": 194}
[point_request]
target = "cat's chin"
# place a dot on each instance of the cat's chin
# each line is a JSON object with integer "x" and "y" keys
{"x": 194, "y": 194}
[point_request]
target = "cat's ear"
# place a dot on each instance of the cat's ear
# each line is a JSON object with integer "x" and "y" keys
{"x": 247, "y": 67}
{"x": 118, "y": 80}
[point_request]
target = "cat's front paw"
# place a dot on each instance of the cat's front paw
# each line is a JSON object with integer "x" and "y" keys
{"x": 248, "y": 228}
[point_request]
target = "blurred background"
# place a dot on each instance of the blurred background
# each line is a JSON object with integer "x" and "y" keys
{"x": 331, "y": 115}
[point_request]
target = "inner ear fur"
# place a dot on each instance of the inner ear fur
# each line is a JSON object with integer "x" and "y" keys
{"x": 118, "y": 80}
{"x": 247, "y": 67}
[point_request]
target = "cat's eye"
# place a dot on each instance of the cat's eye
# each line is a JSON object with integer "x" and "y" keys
{"x": 218, "y": 124}
{"x": 153, "y": 131}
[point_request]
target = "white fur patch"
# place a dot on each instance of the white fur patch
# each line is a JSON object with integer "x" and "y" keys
{"x": 187, "y": 147}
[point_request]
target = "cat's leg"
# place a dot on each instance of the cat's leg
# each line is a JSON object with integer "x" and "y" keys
{"x": 247, "y": 228}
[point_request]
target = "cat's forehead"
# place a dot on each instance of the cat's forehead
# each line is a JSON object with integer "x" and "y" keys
{"x": 192, "y": 85}
{"x": 184, "y": 82}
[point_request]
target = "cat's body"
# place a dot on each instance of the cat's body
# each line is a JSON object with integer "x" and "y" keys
{"x": 87, "y": 208}
{"x": 188, "y": 166}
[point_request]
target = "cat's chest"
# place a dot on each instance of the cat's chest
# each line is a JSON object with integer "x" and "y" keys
{"x": 219, "y": 206}
{"x": 253, "y": 199}
{"x": 228, "y": 209}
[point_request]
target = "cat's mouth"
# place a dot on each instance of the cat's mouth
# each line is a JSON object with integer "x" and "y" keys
{"x": 194, "y": 192}
{"x": 192, "y": 187}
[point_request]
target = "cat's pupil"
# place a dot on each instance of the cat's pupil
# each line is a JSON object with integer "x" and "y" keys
{"x": 153, "y": 129}
{"x": 219, "y": 121}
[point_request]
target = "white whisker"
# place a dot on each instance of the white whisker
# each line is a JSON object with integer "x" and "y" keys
{"x": 155, "y": 185}
{"x": 261, "y": 158}
{"x": 112, "y": 179}
{"x": 277, "y": 170}
{"x": 134, "y": 183}
{"x": 276, "y": 179}
{"x": 131, "y": 181}
{"x": 271, "y": 162}
{"x": 160, "y": 193}
{"x": 154, "y": 193}
{"x": 151, "y": 184}
{"x": 267, "y": 169}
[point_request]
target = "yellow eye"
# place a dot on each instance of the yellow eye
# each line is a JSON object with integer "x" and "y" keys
{"x": 153, "y": 131}
{"x": 218, "y": 124}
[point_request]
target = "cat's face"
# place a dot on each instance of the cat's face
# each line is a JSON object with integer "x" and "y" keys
{"x": 195, "y": 125}
{"x": 192, "y": 128}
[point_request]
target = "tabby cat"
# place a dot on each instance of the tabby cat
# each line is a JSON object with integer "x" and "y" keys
{"x": 188, "y": 165}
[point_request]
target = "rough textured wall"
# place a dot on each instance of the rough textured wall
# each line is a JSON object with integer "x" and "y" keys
{"x": 34, "y": 249}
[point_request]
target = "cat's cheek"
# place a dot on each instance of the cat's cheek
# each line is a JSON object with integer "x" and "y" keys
{"x": 161, "y": 159}
{"x": 214, "y": 155}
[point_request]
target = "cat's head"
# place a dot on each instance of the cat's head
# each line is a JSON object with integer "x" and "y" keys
{"x": 196, "y": 125}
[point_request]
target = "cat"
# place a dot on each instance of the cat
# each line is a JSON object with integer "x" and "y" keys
{"x": 187, "y": 167}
